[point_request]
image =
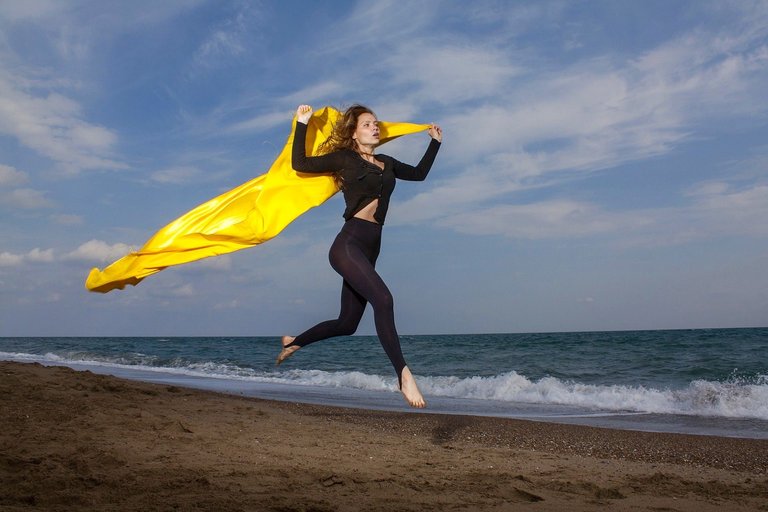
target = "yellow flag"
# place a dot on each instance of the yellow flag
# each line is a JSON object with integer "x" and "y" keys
{"x": 250, "y": 214}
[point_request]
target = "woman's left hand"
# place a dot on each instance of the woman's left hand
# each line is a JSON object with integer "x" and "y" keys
{"x": 435, "y": 132}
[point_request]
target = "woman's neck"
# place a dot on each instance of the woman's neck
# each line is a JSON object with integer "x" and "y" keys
{"x": 365, "y": 150}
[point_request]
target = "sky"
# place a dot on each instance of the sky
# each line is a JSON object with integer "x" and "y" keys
{"x": 604, "y": 164}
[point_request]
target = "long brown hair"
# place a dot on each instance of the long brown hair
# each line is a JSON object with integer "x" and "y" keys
{"x": 341, "y": 136}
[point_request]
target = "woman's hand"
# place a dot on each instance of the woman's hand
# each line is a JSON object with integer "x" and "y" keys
{"x": 303, "y": 113}
{"x": 435, "y": 132}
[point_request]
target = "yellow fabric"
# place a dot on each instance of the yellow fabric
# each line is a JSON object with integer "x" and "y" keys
{"x": 248, "y": 215}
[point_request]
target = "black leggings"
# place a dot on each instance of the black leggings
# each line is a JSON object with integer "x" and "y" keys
{"x": 353, "y": 255}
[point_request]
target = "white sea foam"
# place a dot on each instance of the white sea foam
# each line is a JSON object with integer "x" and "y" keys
{"x": 699, "y": 398}
{"x": 732, "y": 399}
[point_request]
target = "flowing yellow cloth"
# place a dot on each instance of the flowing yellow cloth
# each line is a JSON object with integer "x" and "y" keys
{"x": 248, "y": 215}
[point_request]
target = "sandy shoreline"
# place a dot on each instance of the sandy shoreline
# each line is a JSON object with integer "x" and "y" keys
{"x": 79, "y": 441}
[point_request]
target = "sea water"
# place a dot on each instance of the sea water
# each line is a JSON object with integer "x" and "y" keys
{"x": 704, "y": 381}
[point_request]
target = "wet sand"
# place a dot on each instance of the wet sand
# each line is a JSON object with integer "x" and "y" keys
{"x": 80, "y": 441}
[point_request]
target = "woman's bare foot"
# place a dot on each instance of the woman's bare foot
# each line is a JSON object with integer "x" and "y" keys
{"x": 410, "y": 390}
{"x": 287, "y": 351}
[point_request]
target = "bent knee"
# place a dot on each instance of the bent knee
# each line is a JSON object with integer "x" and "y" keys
{"x": 346, "y": 328}
{"x": 384, "y": 301}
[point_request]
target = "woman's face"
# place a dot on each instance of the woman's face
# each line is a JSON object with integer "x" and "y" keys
{"x": 367, "y": 131}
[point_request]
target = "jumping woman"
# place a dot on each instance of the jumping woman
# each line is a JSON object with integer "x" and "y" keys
{"x": 367, "y": 181}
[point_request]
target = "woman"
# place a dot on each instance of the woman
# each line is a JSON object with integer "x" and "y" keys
{"x": 367, "y": 181}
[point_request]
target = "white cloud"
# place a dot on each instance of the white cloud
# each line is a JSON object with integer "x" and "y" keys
{"x": 10, "y": 176}
{"x": 261, "y": 122}
{"x": 548, "y": 219}
{"x": 8, "y": 259}
{"x": 26, "y": 198}
{"x": 451, "y": 73}
{"x": 113, "y": 17}
{"x": 701, "y": 74}
{"x": 188, "y": 174}
{"x": 31, "y": 9}
{"x": 36, "y": 255}
{"x": 186, "y": 290}
{"x": 227, "y": 40}
{"x": 232, "y": 304}
{"x": 91, "y": 137}
{"x": 99, "y": 251}
{"x": 715, "y": 209}
{"x": 53, "y": 297}
{"x": 177, "y": 175}
{"x": 379, "y": 24}
{"x": 220, "y": 44}
{"x": 214, "y": 263}
{"x": 280, "y": 113}
{"x": 75, "y": 27}
{"x": 52, "y": 125}
{"x": 596, "y": 115}
{"x": 722, "y": 209}
{"x": 314, "y": 92}
{"x": 707, "y": 189}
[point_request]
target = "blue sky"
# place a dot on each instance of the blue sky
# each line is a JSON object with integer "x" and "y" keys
{"x": 604, "y": 165}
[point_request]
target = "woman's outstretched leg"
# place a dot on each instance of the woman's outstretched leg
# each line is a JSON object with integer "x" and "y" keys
{"x": 350, "y": 313}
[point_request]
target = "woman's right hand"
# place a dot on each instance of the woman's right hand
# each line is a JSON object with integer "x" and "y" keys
{"x": 303, "y": 113}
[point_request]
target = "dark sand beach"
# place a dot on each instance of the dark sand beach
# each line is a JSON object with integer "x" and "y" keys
{"x": 79, "y": 441}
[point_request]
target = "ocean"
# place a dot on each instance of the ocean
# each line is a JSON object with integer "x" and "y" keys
{"x": 701, "y": 381}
